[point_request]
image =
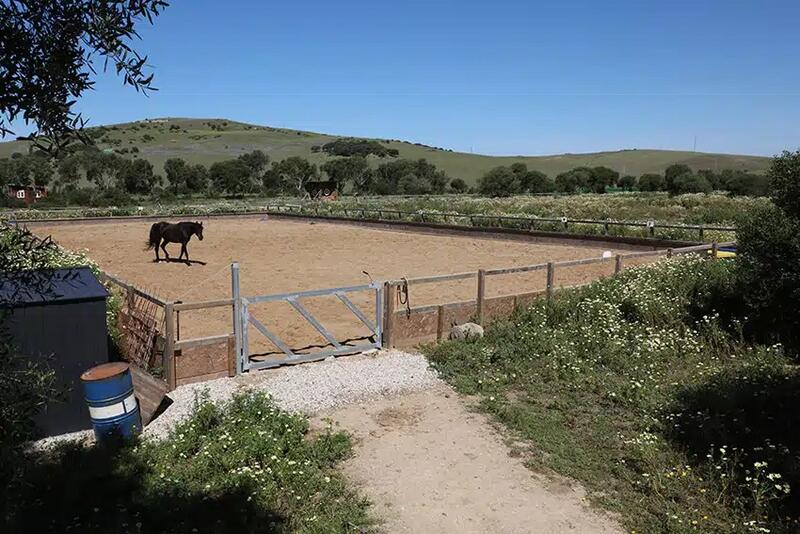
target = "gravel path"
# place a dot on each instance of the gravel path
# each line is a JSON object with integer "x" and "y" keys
{"x": 311, "y": 387}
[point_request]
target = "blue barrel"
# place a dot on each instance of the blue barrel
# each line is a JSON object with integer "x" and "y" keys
{"x": 108, "y": 389}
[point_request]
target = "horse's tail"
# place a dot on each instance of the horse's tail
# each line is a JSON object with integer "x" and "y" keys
{"x": 155, "y": 235}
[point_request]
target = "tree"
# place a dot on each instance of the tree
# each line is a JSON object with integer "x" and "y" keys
{"x": 745, "y": 183}
{"x": 386, "y": 179}
{"x": 574, "y": 180}
{"x": 136, "y": 177}
{"x": 257, "y": 162}
{"x": 295, "y": 172}
{"x": 176, "y": 171}
{"x": 353, "y": 170}
{"x": 690, "y": 183}
{"x": 411, "y": 184}
{"x": 717, "y": 181}
{"x": 536, "y": 182}
{"x": 31, "y": 169}
{"x": 48, "y": 55}
{"x": 101, "y": 168}
{"x": 196, "y": 178}
{"x": 231, "y": 176}
{"x": 768, "y": 257}
{"x": 672, "y": 172}
{"x": 600, "y": 178}
{"x": 651, "y": 182}
{"x": 784, "y": 176}
{"x": 69, "y": 171}
{"x": 459, "y": 186}
{"x": 499, "y": 182}
{"x": 627, "y": 182}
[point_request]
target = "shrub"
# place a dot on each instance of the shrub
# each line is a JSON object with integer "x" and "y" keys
{"x": 663, "y": 416}
{"x": 358, "y": 147}
{"x": 672, "y": 172}
{"x": 499, "y": 182}
{"x": 769, "y": 274}
{"x": 627, "y": 182}
{"x": 457, "y": 185}
{"x": 690, "y": 183}
{"x": 784, "y": 175}
{"x": 239, "y": 466}
{"x": 651, "y": 182}
{"x": 746, "y": 184}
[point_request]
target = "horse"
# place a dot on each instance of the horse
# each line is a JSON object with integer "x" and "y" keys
{"x": 163, "y": 232}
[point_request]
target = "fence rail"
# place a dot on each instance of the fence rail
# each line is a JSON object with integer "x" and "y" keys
{"x": 503, "y": 221}
{"x": 390, "y": 334}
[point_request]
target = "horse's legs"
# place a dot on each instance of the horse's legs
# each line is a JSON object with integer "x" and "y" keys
{"x": 164, "y": 248}
{"x": 156, "y": 249}
{"x": 184, "y": 250}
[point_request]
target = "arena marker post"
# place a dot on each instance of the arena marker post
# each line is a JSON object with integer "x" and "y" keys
{"x": 440, "y": 323}
{"x": 481, "y": 296}
{"x": 551, "y": 275}
{"x": 618, "y": 264}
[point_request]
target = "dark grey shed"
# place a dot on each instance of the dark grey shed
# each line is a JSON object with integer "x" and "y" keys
{"x": 58, "y": 317}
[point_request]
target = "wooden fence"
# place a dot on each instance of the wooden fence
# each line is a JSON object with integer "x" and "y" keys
{"x": 557, "y": 224}
{"x": 203, "y": 358}
{"x": 418, "y": 324}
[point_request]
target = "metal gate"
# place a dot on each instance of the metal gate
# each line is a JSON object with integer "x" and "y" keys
{"x": 243, "y": 316}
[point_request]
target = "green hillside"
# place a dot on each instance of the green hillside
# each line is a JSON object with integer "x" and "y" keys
{"x": 209, "y": 140}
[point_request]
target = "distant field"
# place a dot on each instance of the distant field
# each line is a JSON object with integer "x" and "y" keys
{"x": 209, "y": 140}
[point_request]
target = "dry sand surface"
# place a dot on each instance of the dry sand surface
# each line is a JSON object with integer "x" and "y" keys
{"x": 280, "y": 256}
{"x": 430, "y": 465}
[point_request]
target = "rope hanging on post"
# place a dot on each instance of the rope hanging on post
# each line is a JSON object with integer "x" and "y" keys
{"x": 403, "y": 296}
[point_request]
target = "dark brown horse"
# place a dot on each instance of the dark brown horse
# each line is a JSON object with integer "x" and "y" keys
{"x": 162, "y": 233}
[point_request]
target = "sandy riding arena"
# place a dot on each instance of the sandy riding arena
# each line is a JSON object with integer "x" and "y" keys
{"x": 282, "y": 255}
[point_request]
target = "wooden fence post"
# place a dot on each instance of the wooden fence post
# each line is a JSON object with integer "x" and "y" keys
{"x": 481, "y": 295}
{"x": 669, "y": 252}
{"x": 388, "y": 321}
{"x": 618, "y": 264}
{"x": 440, "y": 323}
{"x": 551, "y": 275}
{"x": 702, "y": 232}
{"x": 170, "y": 370}
{"x": 714, "y": 249}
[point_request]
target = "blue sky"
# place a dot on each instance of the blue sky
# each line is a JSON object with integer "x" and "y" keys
{"x": 499, "y": 77}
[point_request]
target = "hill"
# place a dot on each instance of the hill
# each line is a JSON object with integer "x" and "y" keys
{"x": 209, "y": 140}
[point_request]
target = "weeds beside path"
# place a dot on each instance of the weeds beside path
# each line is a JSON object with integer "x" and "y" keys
{"x": 636, "y": 388}
{"x": 242, "y": 466}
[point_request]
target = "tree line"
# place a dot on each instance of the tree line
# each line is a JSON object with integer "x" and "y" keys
{"x": 89, "y": 176}
{"x": 677, "y": 179}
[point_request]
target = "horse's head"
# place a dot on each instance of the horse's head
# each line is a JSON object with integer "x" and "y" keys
{"x": 198, "y": 230}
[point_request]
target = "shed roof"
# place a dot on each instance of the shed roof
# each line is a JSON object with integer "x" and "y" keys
{"x": 30, "y": 288}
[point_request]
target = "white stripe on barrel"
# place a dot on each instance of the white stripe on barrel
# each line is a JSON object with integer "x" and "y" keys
{"x": 113, "y": 410}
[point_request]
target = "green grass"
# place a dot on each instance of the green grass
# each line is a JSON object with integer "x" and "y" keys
{"x": 638, "y": 389}
{"x": 245, "y": 466}
{"x": 197, "y": 142}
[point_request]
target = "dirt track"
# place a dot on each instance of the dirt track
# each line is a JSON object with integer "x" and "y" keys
{"x": 428, "y": 464}
{"x": 280, "y": 256}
